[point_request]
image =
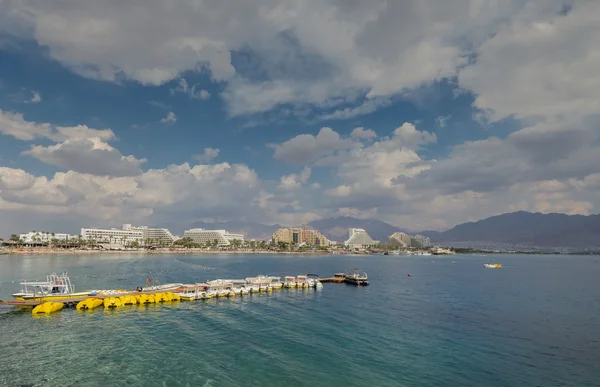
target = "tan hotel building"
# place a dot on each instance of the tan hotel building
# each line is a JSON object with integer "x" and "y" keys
{"x": 299, "y": 235}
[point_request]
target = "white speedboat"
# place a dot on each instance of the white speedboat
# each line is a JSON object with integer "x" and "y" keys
{"x": 492, "y": 265}
{"x": 289, "y": 282}
{"x": 54, "y": 288}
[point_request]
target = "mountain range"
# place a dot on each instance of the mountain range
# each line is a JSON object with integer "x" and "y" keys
{"x": 517, "y": 228}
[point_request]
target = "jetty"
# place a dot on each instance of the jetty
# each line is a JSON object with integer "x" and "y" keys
{"x": 54, "y": 295}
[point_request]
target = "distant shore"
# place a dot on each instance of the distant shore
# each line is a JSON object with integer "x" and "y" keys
{"x": 58, "y": 251}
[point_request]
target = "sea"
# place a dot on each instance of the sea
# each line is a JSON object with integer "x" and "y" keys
{"x": 533, "y": 322}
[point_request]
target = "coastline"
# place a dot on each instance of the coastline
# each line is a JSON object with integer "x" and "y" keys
{"x": 55, "y": 251}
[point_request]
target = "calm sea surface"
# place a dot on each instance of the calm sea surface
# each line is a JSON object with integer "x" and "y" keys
{"x": 535, "y": 322}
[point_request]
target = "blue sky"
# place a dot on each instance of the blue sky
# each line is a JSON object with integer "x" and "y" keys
{"x": 422, "y": 114}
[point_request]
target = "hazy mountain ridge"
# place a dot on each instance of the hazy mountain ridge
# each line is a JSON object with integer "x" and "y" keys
{"x": 518, "y": 228}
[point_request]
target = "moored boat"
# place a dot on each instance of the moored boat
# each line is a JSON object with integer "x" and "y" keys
{"x": 112, "y": 303}
{"x": 492, "y": 265}
{"x": 355, "y": 277}
{"x": 89, "y": 303}
{"x": 48, "y": 307}
{"x": 289, "y": 282}
{"x": 56, "y": 287}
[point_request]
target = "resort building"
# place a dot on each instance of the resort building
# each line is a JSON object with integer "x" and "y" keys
{"x": 419, "y": 241}
{"x": 153, "y": 236}
{"x": 123, "y": 237}
{"x": 42, "y": 237}
{"x": 358, "y": 238}
{"x": 202, "y": 236}
{"x": 298, "y": 236}
{"x": 399, "y": 239}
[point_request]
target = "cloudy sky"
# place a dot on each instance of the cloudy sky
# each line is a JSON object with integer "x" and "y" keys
{"x": 423, "y": 113}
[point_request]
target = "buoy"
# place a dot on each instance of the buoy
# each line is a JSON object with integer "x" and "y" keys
{"x": 410, "y": 275}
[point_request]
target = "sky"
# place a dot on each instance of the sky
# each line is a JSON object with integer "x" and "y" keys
{"x": 421, "y": 113}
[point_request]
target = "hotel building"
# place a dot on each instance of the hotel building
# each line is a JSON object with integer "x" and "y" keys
{"x": 299, "y": 235}
{"x": 202, "y": 236}
{"x": 44, "y": 237}
{"x": 399, "y": 239}
{"x": 358, "y": 238}
{"x": 128, "y": 235}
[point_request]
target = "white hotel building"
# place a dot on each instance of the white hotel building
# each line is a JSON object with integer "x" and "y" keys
{"x": 128, "y": 235}
{"x": 40, "y": 237}
{"x": 223, "y": 237}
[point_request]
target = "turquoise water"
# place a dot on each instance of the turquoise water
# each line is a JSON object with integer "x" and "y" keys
{"x": 535, "y": 322}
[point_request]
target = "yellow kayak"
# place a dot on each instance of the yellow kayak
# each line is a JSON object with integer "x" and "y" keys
{"x": 112, "y": 302}
{"x": 89, "y": 303}
{"x": 47, "y": 308}
{"x": 128, "y": 300}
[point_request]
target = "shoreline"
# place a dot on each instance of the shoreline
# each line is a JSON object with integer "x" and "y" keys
{"x": 52, "y": 251}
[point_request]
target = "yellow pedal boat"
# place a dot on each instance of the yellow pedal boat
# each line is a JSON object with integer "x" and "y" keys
{"x": 89, "y": 303}
{"x": 173, "y": 296}
{"x": 112, "y": 302}
{"x": 144, "y": 299}
{"x": 48, "y": 307}
{"x": 162, "y": 297}
{"x": 128, "y": 300}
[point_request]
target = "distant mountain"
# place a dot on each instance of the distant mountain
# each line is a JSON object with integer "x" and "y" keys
{"x": 528, "y": 229}
{"x": 336, "y": 229}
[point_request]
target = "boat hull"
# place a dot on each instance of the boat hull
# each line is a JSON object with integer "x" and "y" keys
{"x": 89, "y": 303}
{"x": 47, "y": 308}
{"x": 49, "y": 297}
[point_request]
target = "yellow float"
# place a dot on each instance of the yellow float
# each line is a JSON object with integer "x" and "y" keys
{"x": 89, "y": 303}
{"x": 47, "y": 308}
{"x": 112, "y": 302}
{"x": 162, "y": 297}
{"x": 128, "y": 300}
{"x": 173, "y": 296}
{"x": 144, "y": 299}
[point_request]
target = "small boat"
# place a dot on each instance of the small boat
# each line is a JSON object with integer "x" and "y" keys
{"x": 289, "y": 282}
{"x": 89, "y": 303}
{"x": 492, "y": 265}
{"x": 56, "y": 287}
{"x": 301, "y": 282}
{"x": 275, "y": 283}
{"x": 48, "y": 307}
{"x": 112, "y": 303}
{"x": 128, "y": 300}
{"x": 355, "y": 277}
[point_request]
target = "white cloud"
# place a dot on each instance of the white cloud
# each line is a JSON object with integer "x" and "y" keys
{"x": 363, "y": 134}
{"x": 87, "y": 155}
{"x": 306, "y": 148}
{"x": 208, "y": 155}
{"x": 169, "y": 119}
{"x": 442, "y": 121}
{"x": 543, "y": 63}
{"x": 36, "y": 97}
{"x": 294, "y": 181}
{"x": 314, "y": 54}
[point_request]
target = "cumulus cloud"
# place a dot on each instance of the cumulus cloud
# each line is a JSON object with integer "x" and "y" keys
{"x": 363, "y": 134}
{"x": 169, "y": 119}
{"x": 306, "y": 148}
{"x": 294, "y": 181}
{"x": 273, "y": 53}
{"x": 87, "y": 155}
{"x": 15, "y": 125}
{"x": 35, "y": 98}
{"x": 208, "y": 155}
{"x": 195, "y": 91}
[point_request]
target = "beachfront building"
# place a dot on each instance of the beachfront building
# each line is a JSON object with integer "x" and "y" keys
{"x": 202, "y": 236}
{"x": 298, "y": 236}
{"x": 359, "y": 238}
{"x": 152, "y": 236}
{"x": 43, "y": 237}
{"x": 121, "y": 237}
{"x": 420, "y": 241}
{"x": 399, "y": 239}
